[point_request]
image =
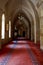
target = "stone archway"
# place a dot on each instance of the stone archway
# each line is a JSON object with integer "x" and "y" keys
{"x": 28, "y": 7}
{"x": 26, "y": 22}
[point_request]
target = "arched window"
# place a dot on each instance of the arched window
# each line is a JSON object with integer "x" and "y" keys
{"x": 3, "y": 27}
{"x": 9, "y": 29}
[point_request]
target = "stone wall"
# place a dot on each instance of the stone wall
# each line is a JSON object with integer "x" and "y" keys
{"x": 6, "y": 39}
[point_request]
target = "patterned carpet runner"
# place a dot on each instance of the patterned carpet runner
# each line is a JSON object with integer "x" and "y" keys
{"x": 21, "y": 53}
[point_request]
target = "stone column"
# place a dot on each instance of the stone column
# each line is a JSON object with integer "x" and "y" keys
{"x": 41, "y": 30}
{"x": 6, "y": 25}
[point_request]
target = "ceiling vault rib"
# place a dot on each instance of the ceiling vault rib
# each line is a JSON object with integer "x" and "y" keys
{"x": 39, "y": 4}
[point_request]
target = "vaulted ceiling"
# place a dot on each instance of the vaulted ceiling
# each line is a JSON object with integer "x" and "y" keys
{"x": 13, "y": 6}
{"x": 4, "y": 2}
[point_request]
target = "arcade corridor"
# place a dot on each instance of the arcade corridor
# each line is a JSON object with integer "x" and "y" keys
{"x": 21, "y": 32}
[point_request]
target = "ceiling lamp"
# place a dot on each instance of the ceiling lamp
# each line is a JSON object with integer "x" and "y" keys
{"x": 20, "y": 17}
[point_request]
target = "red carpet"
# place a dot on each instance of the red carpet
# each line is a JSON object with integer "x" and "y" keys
{"x": 21, "y": 53}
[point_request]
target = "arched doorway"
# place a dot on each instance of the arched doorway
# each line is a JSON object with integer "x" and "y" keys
{"x": 20, "y": 28}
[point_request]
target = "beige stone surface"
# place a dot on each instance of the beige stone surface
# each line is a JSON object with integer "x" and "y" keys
{"x": 41, "y": 31}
